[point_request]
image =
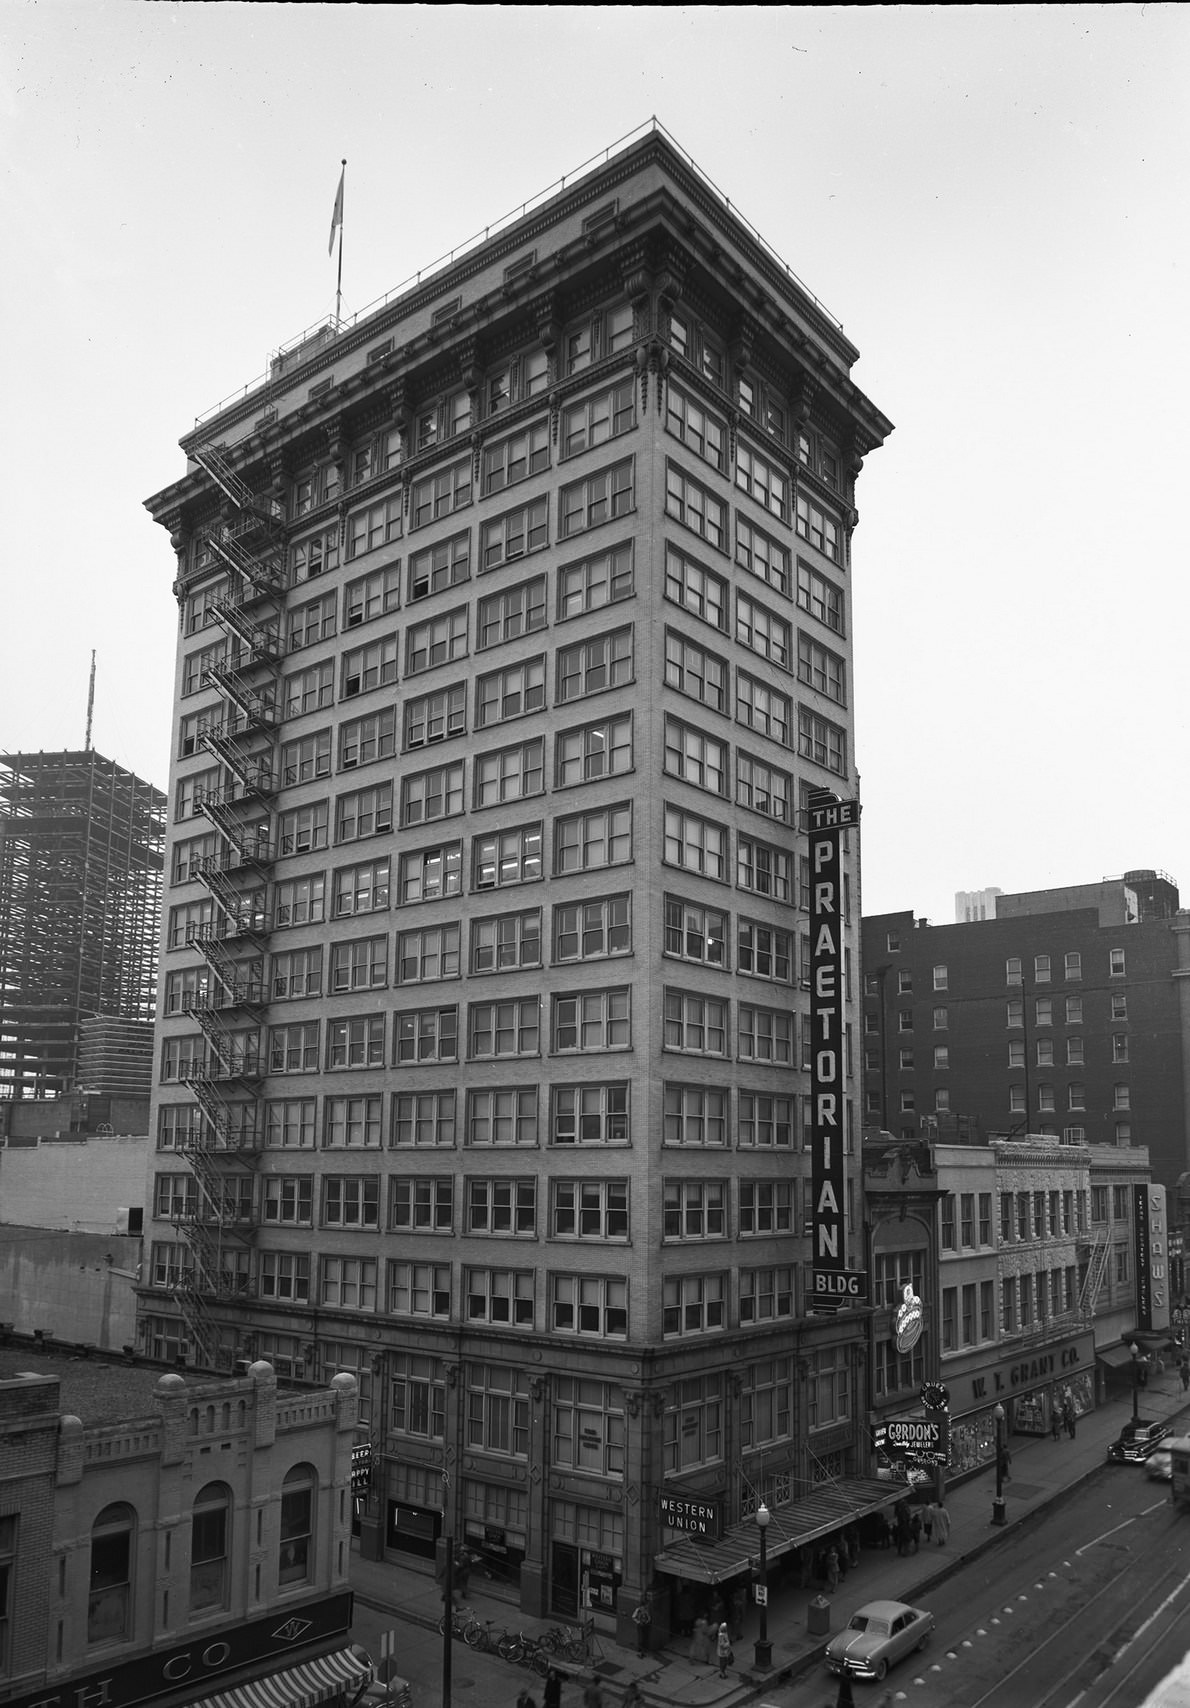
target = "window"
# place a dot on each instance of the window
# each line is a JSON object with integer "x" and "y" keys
{"x": 761, "y": 630}
{"x": 595, "y": 582}
{"x": 1121, "y": 1097}
{"x": 696, "y": 508}
{"x": 1074, "y": 965}
{"x": 109, "y": 1600}
{"x": 501, "y": 1297}
{"x": 591, "y": 1020}
{"x": 296, "y": 972}
{"x": 765, "y": 1034}
{"x": 588, "y": 667}
{"x": 364, "y": 740}
{"x": 188, "y": 857}
{"x": 433, "y": 569}
{"x": 1076, "y": 1095}
{"x": 819, "y": 528}
{"x": 763, "y": 481}
{"x": 366, "y": 812}
{"x": 763, "y": 787}
{"x": 605, "y": 334}
{"x": 422, "y": 1204}
{"x": 763, "y": 708}
{"x": 693, "y": 1304}
{"x": 695, "y": 1115}
{"x": 367, "y": 667}
{"x": 510, "y": 774}
{"x": 516, "y": 458}
{"x": 696, "y": 758}
{"x": 698, "y": 429}
{"x": 589, "y": 1115}
{"x": 822, "y": 742}
{"x": 439, "y": 640}
{"x": 589, "y": 1304}
{"x": 289, "y": 1123}
{"x": 764, "y": 952}
{"x": 596, "y": 499}
{"x": 696, "y": 1024}
{"x": 316, "y": 555}
{"x": 514, "y": 535}
{"x": 351, "y": 1201}
{"x": 693, "y": 1422}
{"x": 419, "y": 1289}
{"x": 765, "y": 870}
{"x": 418, "y": 1397}
{"x": 1041, "y": 969}
{"x": 506, "y": 857}
{"x": 288, "y": 1200}
{"x": 441, "y": 493}
{"x": 425, "y": 1035}
{"x": 303, "y": 828}
{"x": 514, "y": 612}
{"x": 498, "y": 1410}
{"x": 510, "y": 1028}
{"x": 821, "y": 669}
{"x": 820, "y": 597}
{"x": 1119, "y": 1006}
{"x": 423, "y": 1119}
{"x": 371, "y": 596}
{"x": 428, "y": 954}
{"x": 1116, "y": 963}
{"x": 504, "y": 1117}
{"x": 294, "y": 1049}
{"x": 284, "y": 1275}
{"x": 525, "y": 376}
{"x": 694, "y": 1210}
{"x": 588, "y": 1424}
{"x": 311, "y": 622}
{"x": 695, "y": 933}
{"x": 767, "y": 1207}
{"x": 695, "y": 589}
{"x": 374, "y": 526}
{"x": 696, "y": 844}
{"x": 695, "y": 672}
{"x": 592, "y": 930}
{"x": 427, "y": 874}
{"x": 584, "y": 842}
{"x": 506, "y": 941}
{"x": 594, "y": 420}
{"x": 443, "y": 420}
{"x": 766, "y": 1122}
{"x": 308, "y": 690}
{"x": 589, "y": 1209}
{"x": 355, "y": 1042}
{"x": 762, "y": 556}
{"x": 1043, "y": 1011}
{"x": 430, "y": 795}
{"x": 430, "y": 718}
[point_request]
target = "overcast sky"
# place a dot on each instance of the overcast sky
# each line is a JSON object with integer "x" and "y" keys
{"x": 993, "y": 201}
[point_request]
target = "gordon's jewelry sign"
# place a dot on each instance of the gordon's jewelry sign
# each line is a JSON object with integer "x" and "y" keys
{"x": 829, "y": 818}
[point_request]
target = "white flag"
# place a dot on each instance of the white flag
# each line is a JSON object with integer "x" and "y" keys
{"x": 337, "y": 215}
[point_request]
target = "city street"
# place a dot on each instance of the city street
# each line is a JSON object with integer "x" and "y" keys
{"x": 1100, "y": 1580}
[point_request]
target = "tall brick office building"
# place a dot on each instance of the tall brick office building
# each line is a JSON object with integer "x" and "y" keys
{"x": 515, "y": 632}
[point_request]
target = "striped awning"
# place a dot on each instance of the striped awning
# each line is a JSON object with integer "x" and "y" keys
{"x": 300, "y": 1686}
{"x": 828, "y": 1507}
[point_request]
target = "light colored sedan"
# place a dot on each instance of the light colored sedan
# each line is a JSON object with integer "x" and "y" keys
{"x": 877, "y": 1635}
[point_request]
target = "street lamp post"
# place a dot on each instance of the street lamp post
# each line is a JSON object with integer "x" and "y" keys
{"x": 1134, "y": 1349}
{"x": 763, "y": 1649}
{"x": 998, "y": 1513}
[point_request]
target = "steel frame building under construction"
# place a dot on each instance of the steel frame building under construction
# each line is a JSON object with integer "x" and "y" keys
{"x": 81, "y": 853}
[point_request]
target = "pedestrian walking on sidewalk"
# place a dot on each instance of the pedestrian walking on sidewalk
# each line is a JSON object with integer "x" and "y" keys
{"x": 1184, "y": 1373}
{"x": 1055, "y": 1417}
{"x": 551, "y": 1695}
{"x": 941, "y": 1524}
{"x": 642, "y": 1618}
{"x": 1069, "y": 1419}
{"x": 832, "y": 1569}
{"x": 1005, "y": 1464}
{"x": 723, "y": 1649}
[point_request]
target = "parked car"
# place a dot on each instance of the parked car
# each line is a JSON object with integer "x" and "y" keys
{"x": 396, "y": 1692}
{"x": 877, "y": 1635}
{"x": 1136, "y": 1441}
{"x": 1159, "y": 1464}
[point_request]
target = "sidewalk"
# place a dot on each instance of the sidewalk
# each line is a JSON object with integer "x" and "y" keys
{"x": 1042, "y": 1471}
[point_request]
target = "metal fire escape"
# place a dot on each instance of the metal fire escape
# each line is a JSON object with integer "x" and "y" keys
{"x": 220, "y": 1220}
{"x": 1097, "y": 1261}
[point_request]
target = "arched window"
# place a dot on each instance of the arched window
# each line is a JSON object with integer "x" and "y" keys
{"x": 296, "y": 1560}
{"x": 109, "y": 1607}
{"x": 210, "y": 1538}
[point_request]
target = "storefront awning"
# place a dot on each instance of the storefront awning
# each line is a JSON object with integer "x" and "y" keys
{"x": 300, "y": 1686}
{"x": 827, "y": 1508}
{"x": 1115, "y": 1357}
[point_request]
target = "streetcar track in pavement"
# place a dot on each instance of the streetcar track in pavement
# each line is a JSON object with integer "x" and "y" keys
{"x": 1136, "y": 1650}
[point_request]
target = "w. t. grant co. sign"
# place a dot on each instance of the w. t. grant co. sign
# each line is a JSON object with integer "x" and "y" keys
{"x": 1045, "y": 1366}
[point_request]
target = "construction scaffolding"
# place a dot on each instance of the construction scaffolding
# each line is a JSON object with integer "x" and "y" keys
{"x": 81, "y": 860}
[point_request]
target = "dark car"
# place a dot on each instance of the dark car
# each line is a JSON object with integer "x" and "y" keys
{"x": 1136, "y": 1441}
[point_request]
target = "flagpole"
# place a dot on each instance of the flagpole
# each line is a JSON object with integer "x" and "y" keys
{"x": 339, "y": 285}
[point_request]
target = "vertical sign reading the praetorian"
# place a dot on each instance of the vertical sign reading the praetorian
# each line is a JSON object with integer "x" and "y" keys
{"x": 829, "y": 818}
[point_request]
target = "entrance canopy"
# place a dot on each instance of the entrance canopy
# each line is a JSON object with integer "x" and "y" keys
{"x": 299, "y": 1686}
{"x": 828, "y": 1507}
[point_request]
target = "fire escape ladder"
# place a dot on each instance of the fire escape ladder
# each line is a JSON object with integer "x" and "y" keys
{"x": 1096, "y": 1272}
{"x": 252, "y": 767}
{"x": 256, "y": 699}
{"x": 211, "y": 459}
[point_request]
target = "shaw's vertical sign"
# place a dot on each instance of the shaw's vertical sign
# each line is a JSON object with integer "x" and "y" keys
{"x": 831, "y": 1282}
{"x": 1151, "y": 1250}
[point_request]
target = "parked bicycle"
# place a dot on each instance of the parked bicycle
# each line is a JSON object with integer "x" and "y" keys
{"x": 571, "y": 1643}
{"x": 523, "y": 1650}
{"x": 477, "y": 1634}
